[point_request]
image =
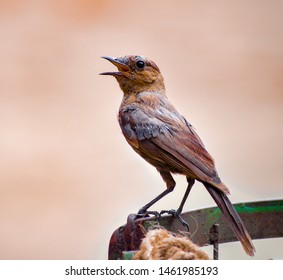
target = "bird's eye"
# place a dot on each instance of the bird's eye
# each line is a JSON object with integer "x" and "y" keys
{"x": 140, "y": 64}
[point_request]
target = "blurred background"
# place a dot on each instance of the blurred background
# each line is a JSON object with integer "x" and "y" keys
{"x": 68, "y": 178}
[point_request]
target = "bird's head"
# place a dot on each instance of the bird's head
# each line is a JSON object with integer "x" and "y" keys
{"x": 136, "y": 74}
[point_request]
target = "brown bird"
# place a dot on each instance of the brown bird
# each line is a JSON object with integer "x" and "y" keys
{"x": 165, "y": 139}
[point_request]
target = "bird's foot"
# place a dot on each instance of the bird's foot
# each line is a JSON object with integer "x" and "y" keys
{"x": 176, "y": 214}
{"x": 144, "y": 213}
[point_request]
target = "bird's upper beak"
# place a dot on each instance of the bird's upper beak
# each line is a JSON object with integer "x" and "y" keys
{"x": 122, "y": 67}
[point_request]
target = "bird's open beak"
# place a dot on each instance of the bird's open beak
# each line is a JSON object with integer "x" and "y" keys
{"x": 121, "y": 66}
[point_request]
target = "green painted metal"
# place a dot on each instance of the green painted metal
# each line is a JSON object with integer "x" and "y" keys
{"x": 128, "y": 255}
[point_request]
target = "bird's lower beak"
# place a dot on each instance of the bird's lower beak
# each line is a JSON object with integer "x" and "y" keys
{"x": 121, "y": 66}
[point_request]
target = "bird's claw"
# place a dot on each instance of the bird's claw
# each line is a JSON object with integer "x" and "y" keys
{"x": 143, "y": 214}
{"x": 176, "y": 214}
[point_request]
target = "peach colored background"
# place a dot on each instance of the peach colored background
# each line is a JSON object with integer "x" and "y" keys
{"x": 67, "y": 177}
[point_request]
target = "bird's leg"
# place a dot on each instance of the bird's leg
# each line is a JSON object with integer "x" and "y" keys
{"x": 170, "y": 183}
{"x": 190, "y": 185}
{"x": 143, "y": 211}
{"x": 177, "y": 213}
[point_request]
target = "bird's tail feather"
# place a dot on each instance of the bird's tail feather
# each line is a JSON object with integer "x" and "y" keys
{"x": 232, "y": 218}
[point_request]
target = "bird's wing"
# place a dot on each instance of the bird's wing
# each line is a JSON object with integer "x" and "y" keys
{"x": 165, "y": 138}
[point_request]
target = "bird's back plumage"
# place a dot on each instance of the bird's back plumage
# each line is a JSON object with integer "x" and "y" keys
{"x": 165, "y": 138}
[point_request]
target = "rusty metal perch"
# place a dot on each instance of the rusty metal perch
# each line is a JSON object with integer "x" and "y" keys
{"x": 263, "y": 219}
